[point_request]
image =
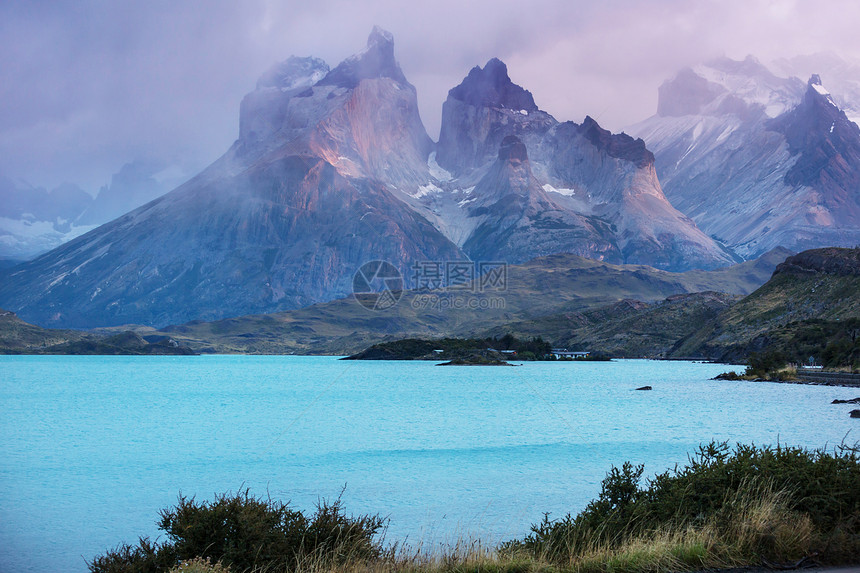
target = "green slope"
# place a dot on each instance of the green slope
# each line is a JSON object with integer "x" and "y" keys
{"x": 812, "y": 292}
{"x": 629, "y": 328}
{"x": 17, "y": 336}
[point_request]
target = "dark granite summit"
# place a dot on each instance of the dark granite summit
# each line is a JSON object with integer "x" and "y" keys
{"x": 492, "y": 87}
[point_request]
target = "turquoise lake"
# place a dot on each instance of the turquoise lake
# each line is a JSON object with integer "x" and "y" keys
{"x": 93, "y": 447}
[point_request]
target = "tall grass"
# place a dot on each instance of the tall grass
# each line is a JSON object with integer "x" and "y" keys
{"x": 725, "y": 508}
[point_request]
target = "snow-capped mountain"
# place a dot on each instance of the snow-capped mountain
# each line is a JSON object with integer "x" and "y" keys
{"x": 35, "y": 220}
{"x": 757, "y": 161}
{"x": 333, "y": 168}
{"x": 842, "y": 75}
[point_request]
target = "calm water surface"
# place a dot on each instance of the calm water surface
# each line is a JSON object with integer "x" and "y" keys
{"x": 92, "y": 447}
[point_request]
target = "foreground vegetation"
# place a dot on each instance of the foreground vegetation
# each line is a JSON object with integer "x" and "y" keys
{"x": 726, "y": 508}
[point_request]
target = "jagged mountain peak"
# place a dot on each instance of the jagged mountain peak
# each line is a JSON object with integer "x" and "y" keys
{"x": 815, "y": 118}
{"x": 362, "y": 116}
{"x": 375, "y": 61}
{"x": 480, "y": 112}
{"x": 828, "y": 144}
{"x": 816, "y": 91}
{"x": 562, "y": 186}
{"x": 842, "y": 74}
{"x": 619, "y": 145}
{"x": 379, "y": 35}
{"x": 294, "y": 72}
{"x": 781, "y": 170}
{"x": 491, "y": 86}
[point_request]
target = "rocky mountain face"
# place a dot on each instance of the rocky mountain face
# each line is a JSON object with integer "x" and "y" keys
{"x": 519, "y": 220}
{"x": 757, "y": 160}
{"x": 332, "y": 169}
{"x": 527, "y": 185}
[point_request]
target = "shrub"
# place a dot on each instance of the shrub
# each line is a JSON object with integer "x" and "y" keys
{"x": 731, "y": 375}
{"x": 146, "y": 557}
{"x": 241, "y": 532}
{"x": 763, "y": 363}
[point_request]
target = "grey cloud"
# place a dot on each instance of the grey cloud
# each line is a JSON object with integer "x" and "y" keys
{"x": 87, "y": 86}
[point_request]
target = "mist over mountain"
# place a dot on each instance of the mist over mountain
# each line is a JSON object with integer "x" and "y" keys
{"x": 333, "y": 168}
{"x": 34, "y": 220}
{"x": 758, "y": 160}
{"x": 282, "y": 220}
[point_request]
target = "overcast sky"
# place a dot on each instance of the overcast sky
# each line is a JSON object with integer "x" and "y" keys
{"x": 86, "y": 86}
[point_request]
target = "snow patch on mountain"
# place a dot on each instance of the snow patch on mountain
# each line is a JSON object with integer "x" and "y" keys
{"x": 428, "y": 189}
{"x": 26, "y": 238}
{"x": 563, "y": 191}
{"x": 823, "y": 91}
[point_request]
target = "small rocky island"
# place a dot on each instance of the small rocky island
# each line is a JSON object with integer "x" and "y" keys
{"x": 486, "y": 358}
{"x": 459, "y": 351}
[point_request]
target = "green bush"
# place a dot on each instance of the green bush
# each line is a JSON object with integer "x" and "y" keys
{"x": 715, "y": 490}
{"x": 765, "y": 363}
{"x": 242, "y": 532}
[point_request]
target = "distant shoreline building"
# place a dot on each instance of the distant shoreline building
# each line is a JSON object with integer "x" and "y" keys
{"x": 565, "y": 353}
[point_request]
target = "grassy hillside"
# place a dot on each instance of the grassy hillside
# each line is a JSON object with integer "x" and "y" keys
{"x": 545, "y": 287}
{"x": 809, "y": 308}
{"x": 629, "y": 327}
{"x": 17, "y": 336}
{"x": 807, "y": 304}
